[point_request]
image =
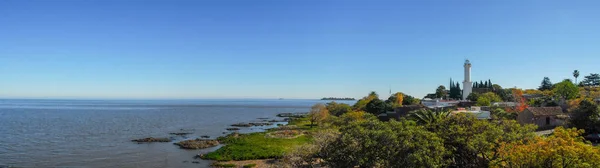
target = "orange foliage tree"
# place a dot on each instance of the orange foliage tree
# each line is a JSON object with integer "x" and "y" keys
{"x": 518, "y": 97}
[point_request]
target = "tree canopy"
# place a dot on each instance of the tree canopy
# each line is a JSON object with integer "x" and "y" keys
{"x": 395, "y": 100}
{"x": 564, "y": 148}
{"x": 576, "y": 75}
{"x": 591, "y": 80}
{"x": 455, "y": 91}
{"x": 586, "y": 116}
{"x": 487, "y": 99}
{"x": 361, "y": 104}
{"x": 338, "y": 109}
{"x": 440, "y": 92}
{"x": 376, "y": 107}
{"x": 427, "y": 116}
{"x": 318, "y": 113}
{"x": 546, "y": 84}
{"x": 389, "y": 144}
{"x": 566, "y": 90}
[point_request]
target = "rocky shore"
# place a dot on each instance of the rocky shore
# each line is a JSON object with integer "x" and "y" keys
{"x": 204, "y": 141}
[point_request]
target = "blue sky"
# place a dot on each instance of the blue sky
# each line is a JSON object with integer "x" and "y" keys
{"x": 287, "y": 48}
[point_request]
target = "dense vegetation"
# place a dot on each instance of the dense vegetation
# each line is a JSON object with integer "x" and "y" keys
{"x": 343, "y": 135}
{"x": 256, "y": 146}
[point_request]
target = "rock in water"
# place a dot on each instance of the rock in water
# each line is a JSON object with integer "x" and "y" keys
{"x": 151, "y": 139}
{"x": 197, "y": 144}
{"x": 241, "y": 125}
{"x": 180, "y": 133}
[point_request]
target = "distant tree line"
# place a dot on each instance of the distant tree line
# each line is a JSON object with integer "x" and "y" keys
{"x": 337, "y": 98}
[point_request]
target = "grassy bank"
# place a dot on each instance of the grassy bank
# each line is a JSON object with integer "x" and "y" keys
{"x": 258, "y": 145}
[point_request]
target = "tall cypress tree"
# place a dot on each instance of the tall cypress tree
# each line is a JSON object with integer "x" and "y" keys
{"x": 451, "y": 88}
{"x": 458, "y": 91}
{"x": 491, "y": 85}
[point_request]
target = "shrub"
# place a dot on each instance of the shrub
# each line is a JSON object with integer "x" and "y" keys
{"x": 249, "y": 165}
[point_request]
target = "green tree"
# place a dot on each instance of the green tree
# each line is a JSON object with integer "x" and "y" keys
{"x": 338, "y": 109}
{"x": 591, "y": 80}
{"x": 384, "y": 144}
{"x": 474, "y": 143}
{"x": 576, "y": 75}
{"x": 566, "y": 90}
{"x": 376, "y": 107}
{"x": 395, "y": 100}
{"x": 487, "y": 99}
{"x": 440, "y": 92}
{"x": 586, "y": 117}
{"x": 546, "y": 84}
{"x": 361, "y": 104}
{"x": 473, "y": 96}
{"x": 409, "y": 100}
{"x": 500, "y": 114}
{"x": 426, "y": 116}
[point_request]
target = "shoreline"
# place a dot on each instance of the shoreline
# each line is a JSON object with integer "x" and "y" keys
{"x": 255, "y": 126}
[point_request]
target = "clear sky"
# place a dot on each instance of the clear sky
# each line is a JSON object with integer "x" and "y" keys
{"x": 287, "y": 48}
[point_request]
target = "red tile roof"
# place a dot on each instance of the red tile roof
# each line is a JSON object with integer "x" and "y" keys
{"x": 545, "y": 111}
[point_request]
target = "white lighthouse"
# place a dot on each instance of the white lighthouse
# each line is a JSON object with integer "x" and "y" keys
{"x": 467, "y": 84}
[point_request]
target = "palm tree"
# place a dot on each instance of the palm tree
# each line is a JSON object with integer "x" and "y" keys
{"x": 576, "y": 74}
{"x": 426, "y": 117}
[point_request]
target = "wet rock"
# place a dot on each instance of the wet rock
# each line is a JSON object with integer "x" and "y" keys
{"x": 151, "y": 139}
{"x": 198, "y": 156}
{"x": 196, "y": 162}
{"x": 232, "y": 129}
{"x": 197, "y": 144}
{"x": 204, "y": 136}
{"x": 241, "y": 125}
{"x": 260, "y": 124}
{"x": 180, "y": 133}
{"x": 185, "y": 161}
{"x": 262, "y": 118}
{"x": 276, "y": 121}
{"x": 296, "y": 115}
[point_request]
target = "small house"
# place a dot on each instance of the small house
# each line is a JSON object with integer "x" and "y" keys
{"x": 399, "y": 112}
{"x": 543, "y": 117}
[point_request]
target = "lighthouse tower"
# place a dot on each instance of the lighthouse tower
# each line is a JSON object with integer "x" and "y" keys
{"x": 467, "y": 84}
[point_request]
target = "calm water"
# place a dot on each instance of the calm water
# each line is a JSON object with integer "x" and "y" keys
{"x": 97, "y": 133}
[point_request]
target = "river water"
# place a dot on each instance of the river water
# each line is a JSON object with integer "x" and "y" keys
{"x": 98, "y": 133}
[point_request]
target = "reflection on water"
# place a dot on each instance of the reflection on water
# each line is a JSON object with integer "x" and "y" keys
{"x": 97, "y": 133}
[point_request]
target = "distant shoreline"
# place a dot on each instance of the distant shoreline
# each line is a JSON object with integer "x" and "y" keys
{"x": 335, "y": 98}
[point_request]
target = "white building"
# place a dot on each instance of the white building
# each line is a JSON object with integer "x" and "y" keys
{"x": 438, "y": 103}
{"x": 467, "y": 84}
{"x": 476, "y": 111}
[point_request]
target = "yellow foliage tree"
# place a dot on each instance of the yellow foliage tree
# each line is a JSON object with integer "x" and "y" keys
{"x": 532, "y": 91}
{"x": 318, "y": 113}
{"x": 399, "y": 99}
{"x": 565, "y": 148}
